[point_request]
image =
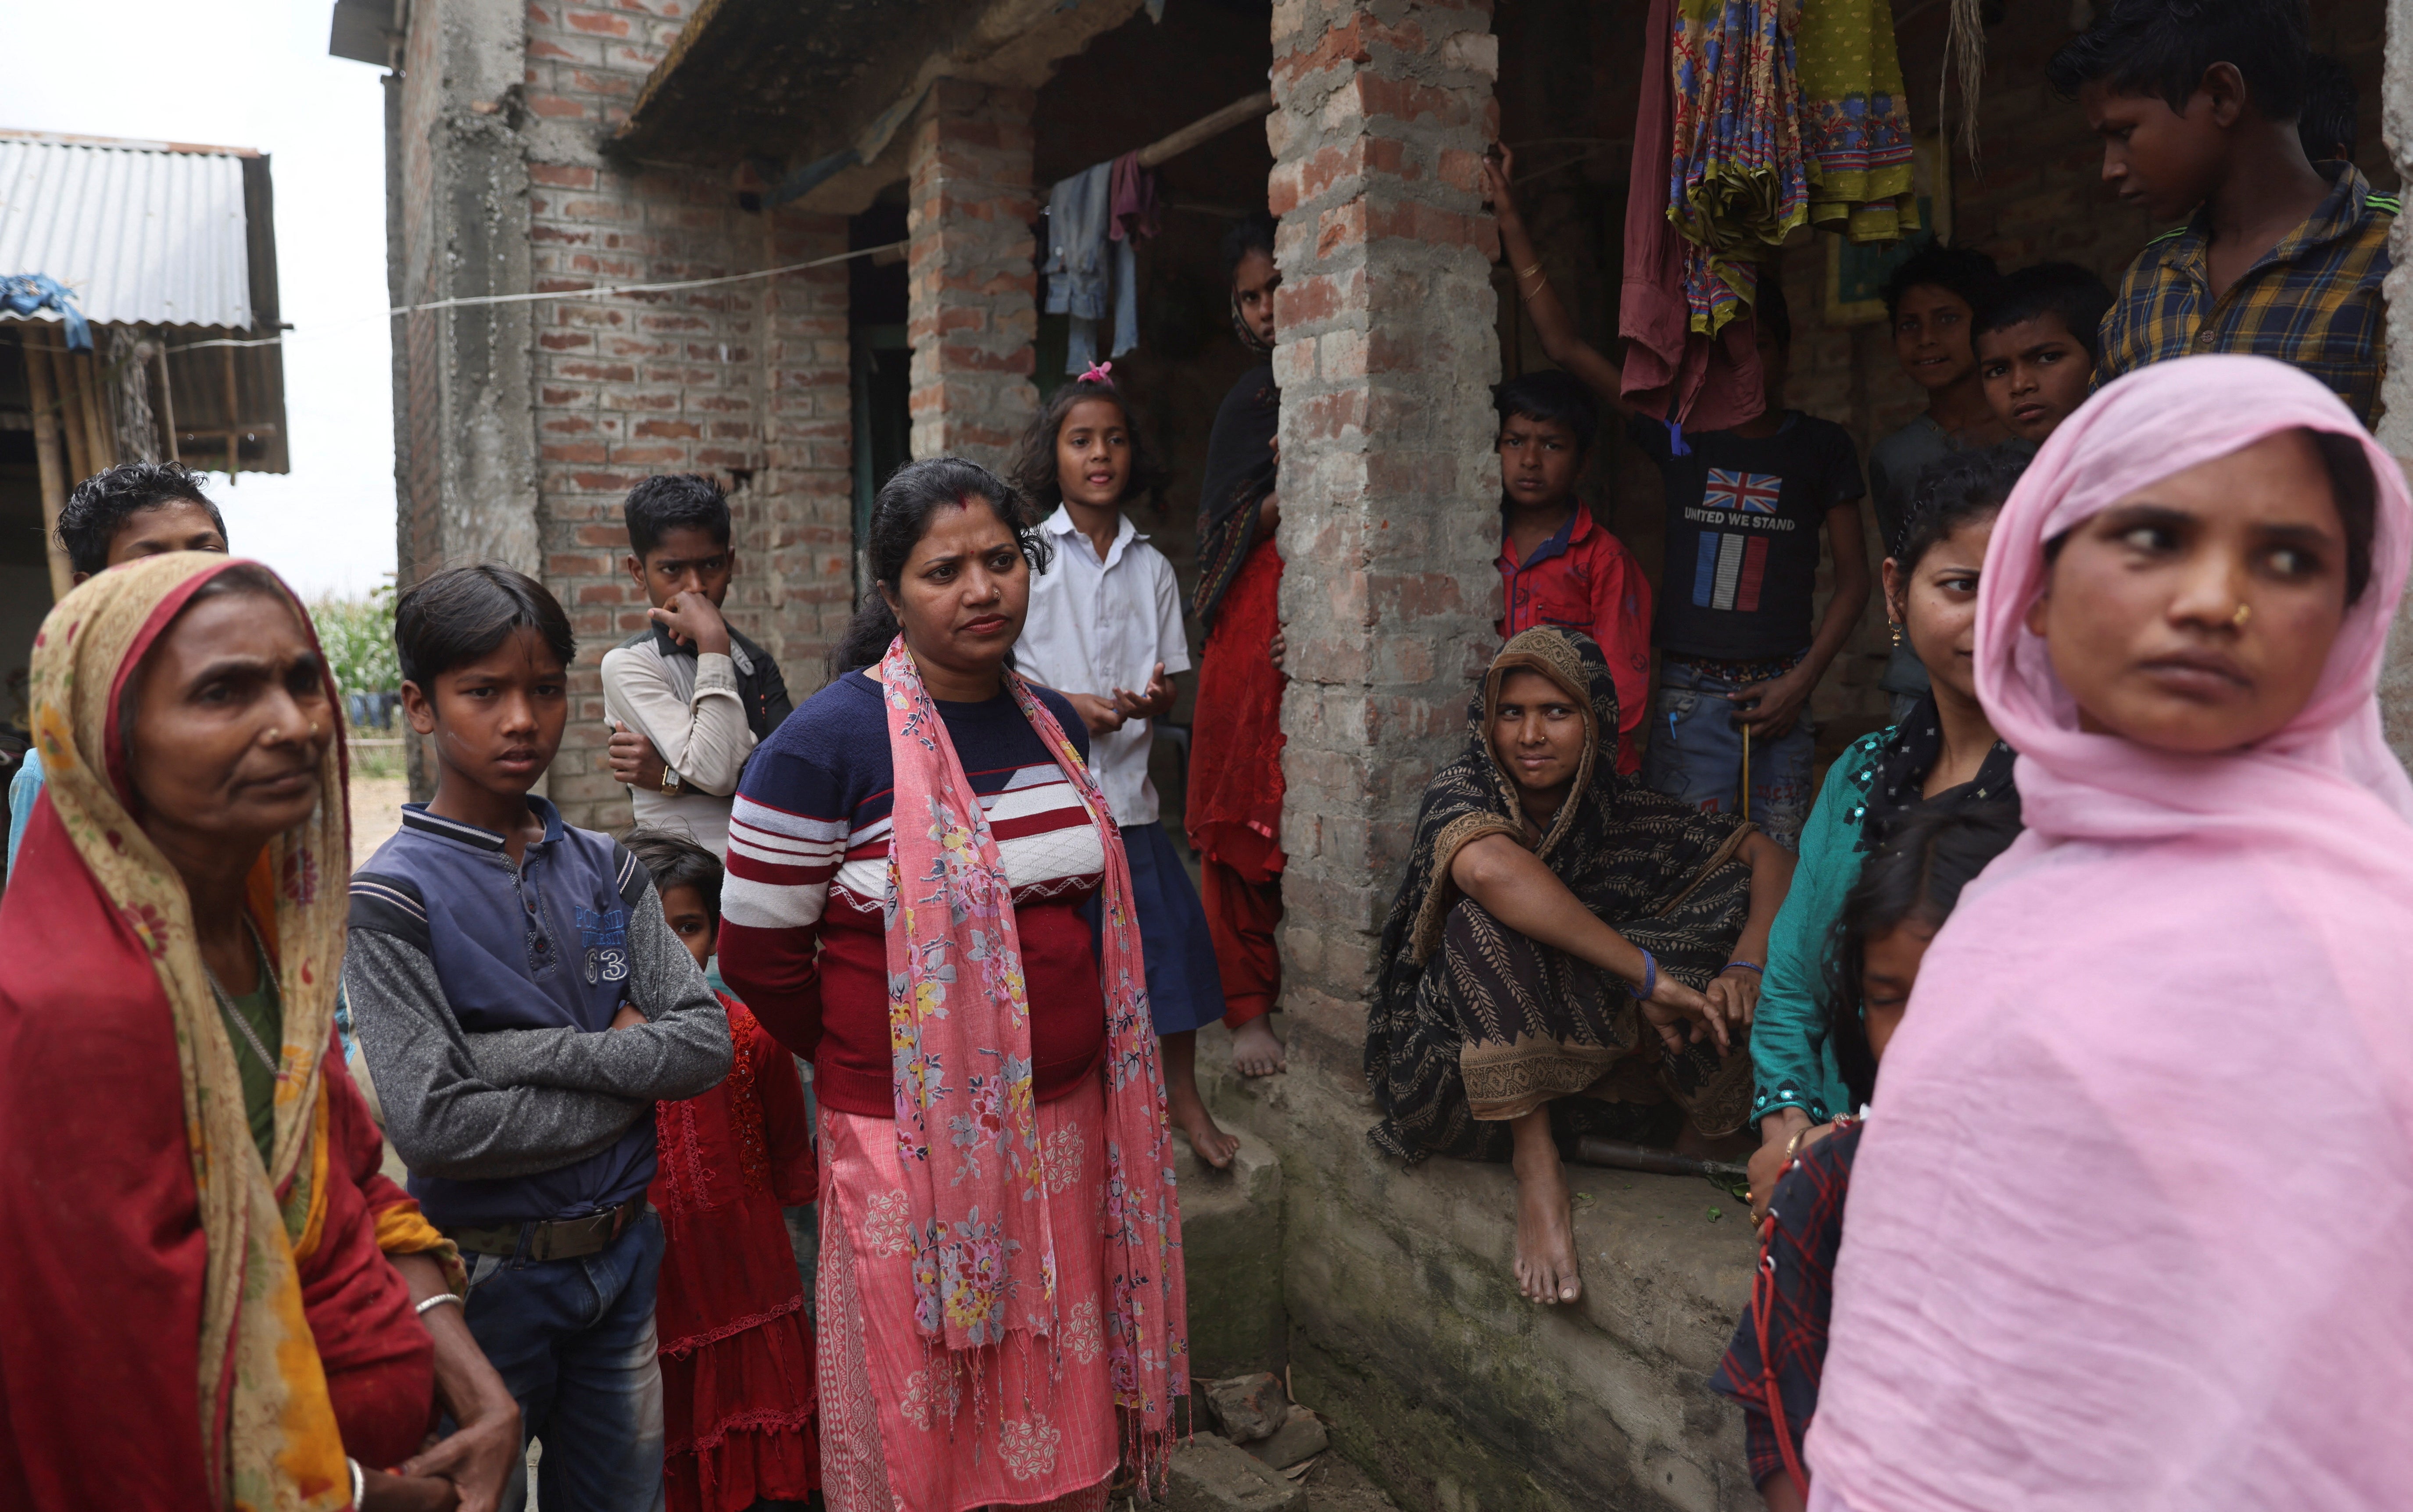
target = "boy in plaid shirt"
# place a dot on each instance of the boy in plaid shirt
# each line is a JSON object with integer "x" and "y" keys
{"x": 2197, "y": 106}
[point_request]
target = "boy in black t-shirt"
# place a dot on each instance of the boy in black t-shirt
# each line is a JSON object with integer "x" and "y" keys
{"x": 1737, "y": 649}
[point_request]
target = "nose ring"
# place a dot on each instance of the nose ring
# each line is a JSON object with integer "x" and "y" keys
{"x": 2244, "y": 612}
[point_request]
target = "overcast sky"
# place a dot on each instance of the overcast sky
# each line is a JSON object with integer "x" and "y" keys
{"x": 255, "y": 73}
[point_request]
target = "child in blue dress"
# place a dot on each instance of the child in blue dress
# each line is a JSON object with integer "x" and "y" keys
{"x": 1105, "y": 630}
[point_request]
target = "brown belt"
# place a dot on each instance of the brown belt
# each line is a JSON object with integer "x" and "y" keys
{"x": 560, "y": 1239}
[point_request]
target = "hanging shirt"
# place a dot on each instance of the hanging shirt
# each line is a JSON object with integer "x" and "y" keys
{"x": 1096, "y": 625}
{"x": 1583, "y": 578}
{"x": 1743, "y": 521}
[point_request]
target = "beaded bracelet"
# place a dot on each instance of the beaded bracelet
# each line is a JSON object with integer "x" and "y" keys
{"x": 1650, "y": 983}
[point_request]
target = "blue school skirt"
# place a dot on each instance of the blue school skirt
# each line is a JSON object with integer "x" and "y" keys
{"x": 1184, "y": 988}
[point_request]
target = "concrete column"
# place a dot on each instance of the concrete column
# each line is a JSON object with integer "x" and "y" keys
{"x": 468, "y": 436}
{"x": 2396, "y": 426}
{"x": 1388, "y": 347}
{"x": 972, "y": 310}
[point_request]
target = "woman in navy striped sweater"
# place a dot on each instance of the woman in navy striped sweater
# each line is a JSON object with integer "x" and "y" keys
{"x": 927, "y": 899}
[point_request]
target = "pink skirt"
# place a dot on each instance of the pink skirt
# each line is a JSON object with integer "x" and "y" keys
{"x": 1024, "y": 1425}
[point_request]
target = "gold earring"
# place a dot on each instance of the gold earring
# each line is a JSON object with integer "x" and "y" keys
{"x": 2244, "y": 612}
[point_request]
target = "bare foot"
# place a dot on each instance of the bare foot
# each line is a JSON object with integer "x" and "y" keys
{"x": 1545, "y": 1244}
{"x": 1190, "y": 1115}
{"x": 1254, "y": 1049}
{"x": 1210, "y": 1143}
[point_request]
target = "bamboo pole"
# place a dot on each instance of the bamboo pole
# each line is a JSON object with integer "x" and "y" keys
{"x": 167, "y": 403}
{"x": 1207, "y": 128}
{"x": 234, "y": 413}
{"x": 99, "y": 437}
{"x": 71, "y": 413}
{"x": 53, "y": 467}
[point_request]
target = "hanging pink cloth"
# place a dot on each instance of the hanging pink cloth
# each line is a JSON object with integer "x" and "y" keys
{"x": 1132, "y": 208}
{"x": 1704, "y": 383}
{"x": 2130, "y": 1229}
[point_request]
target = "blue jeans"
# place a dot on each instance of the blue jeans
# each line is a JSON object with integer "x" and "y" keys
{"x": 1696, "y": 753}
{"x": 574, "y": 1342}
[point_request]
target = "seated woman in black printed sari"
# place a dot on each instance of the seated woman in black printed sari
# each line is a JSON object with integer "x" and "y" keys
{"x": 1569, "y": 954}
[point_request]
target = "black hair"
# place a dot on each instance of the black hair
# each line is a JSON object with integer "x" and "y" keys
{"x": 2326, "y": 120}
{"x": 1249, "y": 233}
{"x": 2352, "y": 489}
{"x": 102, "y": 503}
{"x": 1952, "y": 492}
{"x": 673, "y": 501}
{"x": 2356, "y": 493}
{"x": 1034, "y": 469}
{"x": 463, "y": 613}
{"x": 2164, "y": 47}
{"x": 1962, "y": 270}
{"x": 1552, "y": 395}
{"x": 1916, "y": 875}
{"x": 2061, "y": 289}
{"x": 900, "y": 517}
{"x": 675, "y": 861}
{"x": 1772, "y": 310}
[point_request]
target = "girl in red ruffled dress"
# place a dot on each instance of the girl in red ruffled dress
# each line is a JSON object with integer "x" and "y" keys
{"x": 737, "y": 1349}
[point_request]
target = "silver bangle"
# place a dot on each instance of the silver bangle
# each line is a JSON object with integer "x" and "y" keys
{"x": 439, "y": 1300}
{"x": 360, "y": 1482}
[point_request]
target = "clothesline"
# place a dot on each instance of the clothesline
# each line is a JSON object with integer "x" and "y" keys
{"x": 607, "y": 292}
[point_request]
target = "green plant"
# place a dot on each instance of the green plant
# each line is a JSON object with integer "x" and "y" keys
{"x": 357, "y": 634}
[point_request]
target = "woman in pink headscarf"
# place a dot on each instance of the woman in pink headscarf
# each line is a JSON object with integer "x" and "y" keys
{"x": 2134, "y": 1227}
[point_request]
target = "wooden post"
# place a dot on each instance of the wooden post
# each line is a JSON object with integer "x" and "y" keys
{"x": 167, "y": 403}
{"x": 53, "y": 467}
{"x": 71, "y": 413}
{"x": 99, "y": 435}
{"x": 234, "y": 414}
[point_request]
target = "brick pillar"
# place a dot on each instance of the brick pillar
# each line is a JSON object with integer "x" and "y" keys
{"x": 2396, "y": 426}
{"x": 1388, "y": 345}
{"x": 972, "y": 312}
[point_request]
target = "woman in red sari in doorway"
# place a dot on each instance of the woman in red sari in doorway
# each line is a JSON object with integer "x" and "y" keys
{"x": 1232, "y": 807}
{"x": 738, "y": 1389}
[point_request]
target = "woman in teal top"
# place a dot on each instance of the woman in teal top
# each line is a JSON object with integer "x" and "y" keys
{"x": 1946, "y": 746}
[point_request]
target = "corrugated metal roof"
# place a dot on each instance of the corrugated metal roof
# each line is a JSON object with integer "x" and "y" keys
{"x": 144, "y": 233}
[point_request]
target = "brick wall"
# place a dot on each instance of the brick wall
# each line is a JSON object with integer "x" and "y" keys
{"x": 972, "y": 310}
{"x": 746, "y": 382}
{"x": 1386, "y": 353}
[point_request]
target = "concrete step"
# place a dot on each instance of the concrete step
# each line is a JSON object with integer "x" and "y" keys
{"x": 1231, "y": 1241}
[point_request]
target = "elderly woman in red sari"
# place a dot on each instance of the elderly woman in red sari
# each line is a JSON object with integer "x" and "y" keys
{"x": 215, "y": 1300}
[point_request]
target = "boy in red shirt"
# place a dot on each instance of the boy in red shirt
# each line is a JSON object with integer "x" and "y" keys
{"x": 1557, "y": 565}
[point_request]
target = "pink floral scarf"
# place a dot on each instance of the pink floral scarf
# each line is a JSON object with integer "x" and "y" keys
{"x": 984, "y": 1256}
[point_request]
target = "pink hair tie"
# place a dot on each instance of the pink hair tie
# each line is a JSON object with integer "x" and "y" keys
{"x": 1100, "y": 373}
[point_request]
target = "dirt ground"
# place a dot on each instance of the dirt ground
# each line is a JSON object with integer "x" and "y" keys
{"x": 376, "y": 812}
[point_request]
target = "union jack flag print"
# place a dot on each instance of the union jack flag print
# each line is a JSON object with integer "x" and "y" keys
{"x": 1745, "y": 493}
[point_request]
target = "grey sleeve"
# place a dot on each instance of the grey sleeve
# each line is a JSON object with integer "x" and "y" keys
{"x": 681, "y": 1051}
{"x": 445, "y": 1115}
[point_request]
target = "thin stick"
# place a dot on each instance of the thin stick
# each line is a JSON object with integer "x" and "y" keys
{"x": 1746, "y": 774}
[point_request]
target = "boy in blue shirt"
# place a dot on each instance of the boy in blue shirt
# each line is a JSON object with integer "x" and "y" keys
{"x": 521, "y": 1004}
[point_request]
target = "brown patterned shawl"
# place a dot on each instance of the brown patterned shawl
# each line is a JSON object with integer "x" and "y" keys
{"x": 1663, "y": 874}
